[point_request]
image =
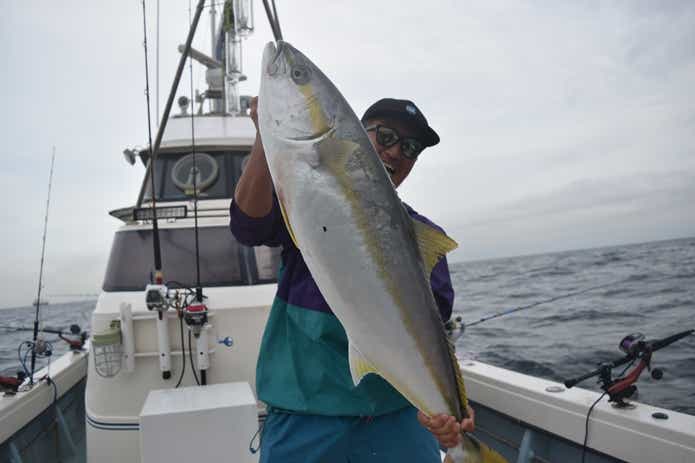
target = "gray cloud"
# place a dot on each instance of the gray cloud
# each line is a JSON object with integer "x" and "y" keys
{"x": 563, "y": 125}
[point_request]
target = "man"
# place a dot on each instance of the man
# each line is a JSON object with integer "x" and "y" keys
{"x": 316, "y": 414}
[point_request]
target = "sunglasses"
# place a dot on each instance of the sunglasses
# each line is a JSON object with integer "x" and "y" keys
{"x": 386, "y": 137}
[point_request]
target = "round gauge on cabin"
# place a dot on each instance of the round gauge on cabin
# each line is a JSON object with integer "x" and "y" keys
{"x": 187, "y": 175}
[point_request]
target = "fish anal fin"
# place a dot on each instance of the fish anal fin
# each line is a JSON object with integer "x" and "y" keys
{"x": 359, "y": 365}
{"x": 433, "y": 244}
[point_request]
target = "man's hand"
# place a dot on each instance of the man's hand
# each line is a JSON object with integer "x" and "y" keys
{"x": 254, "y": 190}
{"x": 253, "y": 111}
{"x": 445, "y": 427}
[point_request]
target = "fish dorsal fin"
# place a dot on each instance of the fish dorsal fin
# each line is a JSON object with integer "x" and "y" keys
{"x": 359, "y": 365}
{"x": 433, "y": 244}
{"x": 286, "y": 218}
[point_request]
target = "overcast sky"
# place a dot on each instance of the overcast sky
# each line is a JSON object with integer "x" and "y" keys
{"x": 564, "y": 124}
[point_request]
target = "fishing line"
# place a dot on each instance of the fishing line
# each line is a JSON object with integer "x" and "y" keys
{"x": 556, "y": 298}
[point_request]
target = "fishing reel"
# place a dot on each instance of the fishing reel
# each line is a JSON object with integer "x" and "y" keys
{"x": 10, "y": 384}
{"x": 77, "y": 338}
{"x": 195, "y": 316}
{"x": 42, "y": 348}
{"x": 157, "y": 298}
{"x": 454, "y": 328}
{"x": 636, "y": 349}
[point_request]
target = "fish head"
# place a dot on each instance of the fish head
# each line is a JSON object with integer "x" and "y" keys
{"x": 296, "y": 99}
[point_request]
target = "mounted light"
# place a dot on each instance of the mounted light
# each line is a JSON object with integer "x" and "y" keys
{"x": 129, "y": 155}
{"x": 171, "y": 212}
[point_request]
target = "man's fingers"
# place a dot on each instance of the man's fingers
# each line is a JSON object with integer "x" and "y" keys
{"x": 423, "y": 419}
{"x": 468, "y": 424}
{"x": 441, "y": 421}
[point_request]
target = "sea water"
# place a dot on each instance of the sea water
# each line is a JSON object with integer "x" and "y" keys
{"x": 647, "y": 288}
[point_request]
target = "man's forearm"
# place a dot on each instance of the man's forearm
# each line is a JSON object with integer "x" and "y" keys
{"x": 254, "y": 191}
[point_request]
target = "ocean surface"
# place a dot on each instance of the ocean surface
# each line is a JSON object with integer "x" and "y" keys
{"x": 647, "y": 288}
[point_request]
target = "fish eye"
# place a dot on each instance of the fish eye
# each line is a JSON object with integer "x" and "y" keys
{"x": 300, "y": 75}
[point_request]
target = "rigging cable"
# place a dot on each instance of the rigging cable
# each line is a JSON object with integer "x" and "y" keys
{"x": 273, "y": 20}
{"x": 157, "y": 67}
{"x": 43, "y": 253}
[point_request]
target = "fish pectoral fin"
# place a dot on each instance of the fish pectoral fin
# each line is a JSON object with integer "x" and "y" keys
{"x": 334, "y": 152}
{"x": 433, "y": 244}
{"x": 359, "y": 365}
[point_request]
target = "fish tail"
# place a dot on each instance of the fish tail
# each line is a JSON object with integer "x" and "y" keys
{"x": 472, "y": 450}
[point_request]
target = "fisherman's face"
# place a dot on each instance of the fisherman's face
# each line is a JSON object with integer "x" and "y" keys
{"x": 397, "y": 165}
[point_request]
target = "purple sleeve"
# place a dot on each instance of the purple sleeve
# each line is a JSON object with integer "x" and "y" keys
{"x": 251, "y": 231}
{"x": 443, "y": 291}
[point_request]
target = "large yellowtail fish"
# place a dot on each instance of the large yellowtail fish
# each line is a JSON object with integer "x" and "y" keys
{"x": 370, "y": 260}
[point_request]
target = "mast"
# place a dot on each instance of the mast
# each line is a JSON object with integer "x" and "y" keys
{"x": 43, "y": 253}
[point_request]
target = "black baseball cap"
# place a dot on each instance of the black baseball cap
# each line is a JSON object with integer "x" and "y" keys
{"x": 406, "y": 111}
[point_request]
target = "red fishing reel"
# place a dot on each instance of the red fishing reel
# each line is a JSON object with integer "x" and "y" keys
{"x": 636, "y": 349}
{"x": 195, "y": 316}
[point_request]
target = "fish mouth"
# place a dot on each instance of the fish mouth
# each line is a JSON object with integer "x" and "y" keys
{"x": 272, "y": 56}
{"x": 389, "y": 168}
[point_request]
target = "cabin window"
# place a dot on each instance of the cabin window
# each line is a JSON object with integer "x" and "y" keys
{"x": 223, "y": 261}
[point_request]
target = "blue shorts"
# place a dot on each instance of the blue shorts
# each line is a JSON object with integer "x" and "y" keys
{"x": 394, "y": 437}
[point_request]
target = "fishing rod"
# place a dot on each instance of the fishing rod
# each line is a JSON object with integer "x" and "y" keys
{"x": 196, "y": 315}
{"x": 623, "y": 387}
{"x": 636, "y": 349}
{"x": 75, "y": 337}
{"x": 156, "y": 293}
{"x": 158, "y": 277}
{"x": 43, "y": 253}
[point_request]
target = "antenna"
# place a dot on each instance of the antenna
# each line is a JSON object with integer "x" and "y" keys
{"x": 43, "y": 253}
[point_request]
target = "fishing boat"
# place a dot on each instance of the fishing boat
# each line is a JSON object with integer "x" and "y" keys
{"x": 169, "y": 375}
